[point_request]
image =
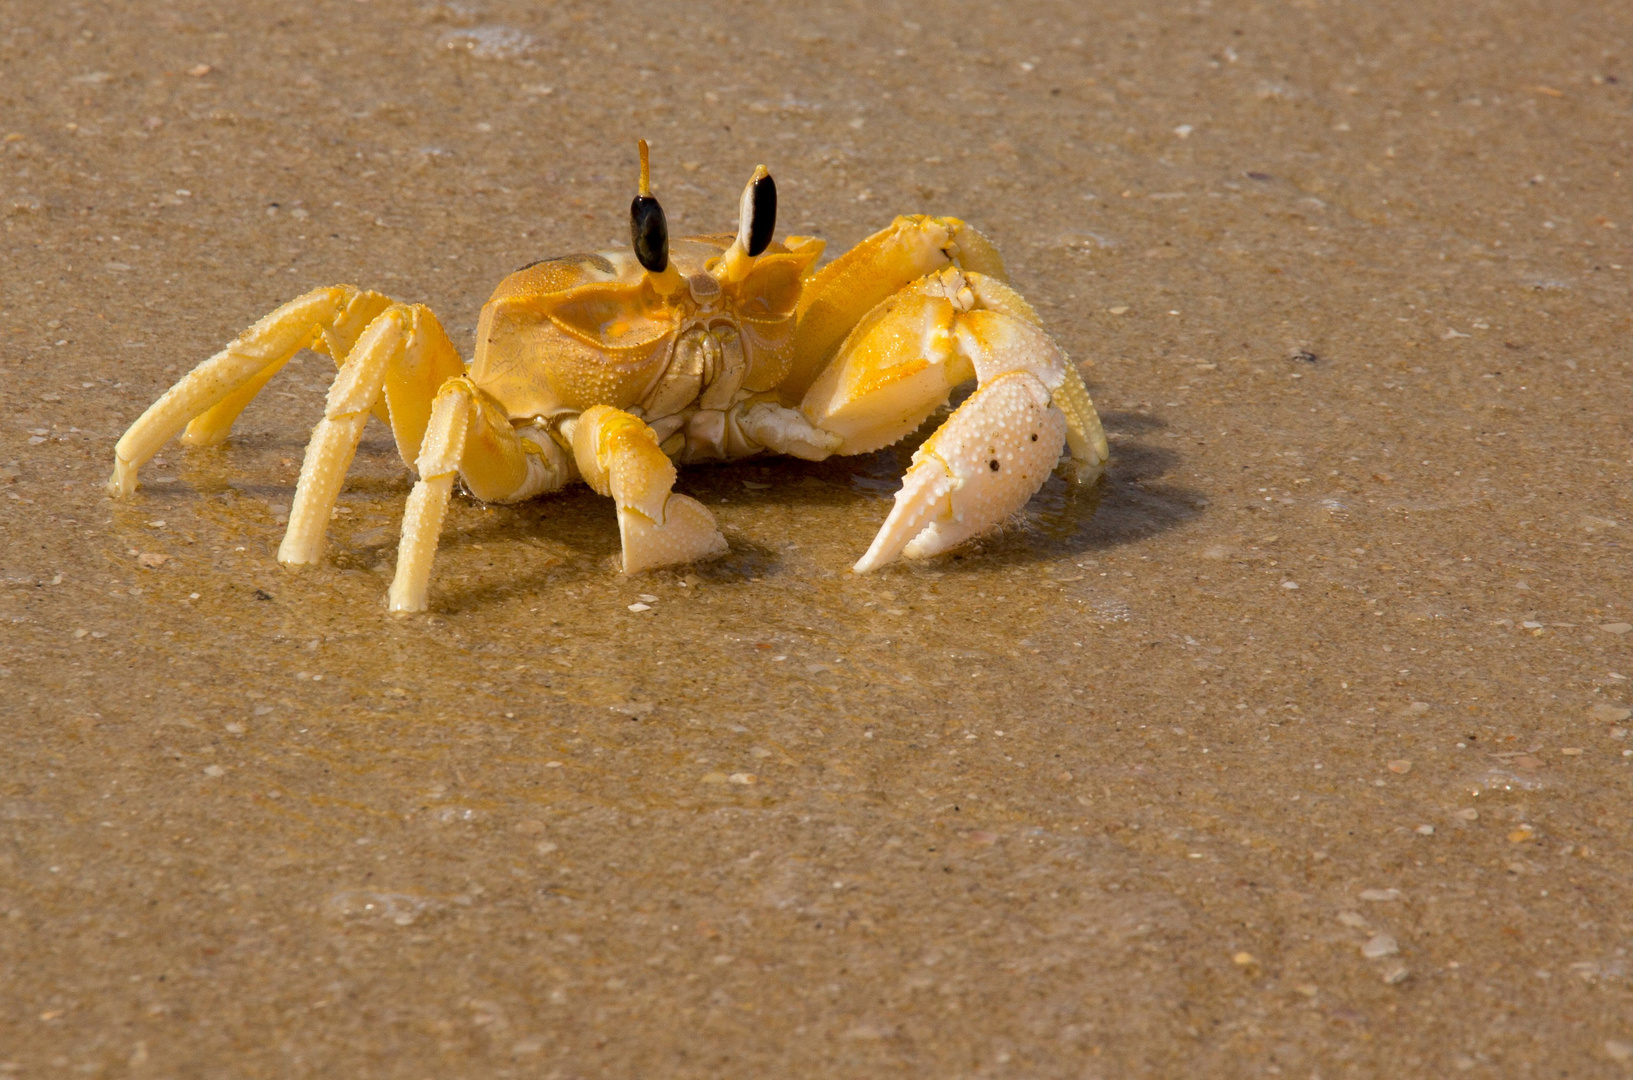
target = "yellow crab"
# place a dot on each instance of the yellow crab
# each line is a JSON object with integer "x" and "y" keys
{"x": 612, "y": 367}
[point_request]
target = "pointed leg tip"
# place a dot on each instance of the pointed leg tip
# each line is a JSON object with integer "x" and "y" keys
{"x": 122, "y": 484}
{"x": 204, "y": 438}
{"x": 1086, "y": 473}
{"x": 868, "y": 563}
{"x": 299, "y": 558}
{"x": 404, "y": 599}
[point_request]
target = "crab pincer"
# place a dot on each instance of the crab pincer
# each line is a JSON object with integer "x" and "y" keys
{"x": 997, "y": 448}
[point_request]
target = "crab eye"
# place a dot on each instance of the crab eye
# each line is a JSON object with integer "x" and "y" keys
{"x": 649, "y": 232}
{"x": 648, "y": 229}
{"x": 757, "y": 217}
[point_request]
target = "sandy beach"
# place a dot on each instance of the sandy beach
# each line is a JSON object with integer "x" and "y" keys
{"x": 1302, "y": 745}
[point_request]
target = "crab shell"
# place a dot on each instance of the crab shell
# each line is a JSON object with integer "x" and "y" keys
{"x": 563, "y": 335}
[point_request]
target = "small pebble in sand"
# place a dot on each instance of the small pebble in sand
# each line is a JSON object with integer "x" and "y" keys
{"x": 1244, "y": 959}
{"x": 1120, "y": 309}
{"x": 1616, "y": 627}
{"x": 1468, "y": 814}
{"x": 1610, "y": 714}
{"x": 1352, "y": 919}
{"x": 1395, "y": 974}
{"x": 1617, "y": 1050}
{"x": 214, "y": 771}
{"x": 1521, "y": 834}
{"x": 1425, "y": 830}
{"x": 640, "y": 607}
{"x": 1380, "y": 895}
{"x": 743, "y": 778}
{"x": 198, "y": 71}
{"x": 647, "y": 598}
{"x": 1571, "y": 751}
{"x": 1380, "y": 946}
{"x": 150, "y": 560}
{"x": 1400, "y": 765}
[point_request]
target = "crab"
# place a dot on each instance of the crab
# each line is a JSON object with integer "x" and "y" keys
{"x": 614, "y": 367}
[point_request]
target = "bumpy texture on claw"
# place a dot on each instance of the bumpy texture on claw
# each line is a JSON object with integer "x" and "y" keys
{"x": 979, "y": 467}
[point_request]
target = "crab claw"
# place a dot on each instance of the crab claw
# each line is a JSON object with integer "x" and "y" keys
{"x": 982, "y": 465}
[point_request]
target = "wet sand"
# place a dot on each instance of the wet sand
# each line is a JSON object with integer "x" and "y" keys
{"x": 1298, "y": 747}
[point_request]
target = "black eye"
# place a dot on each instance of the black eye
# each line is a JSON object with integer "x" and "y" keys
{"x": 648, "y": 228}
{"x": 762, "y": 213}
{"x": 649, "y": 232}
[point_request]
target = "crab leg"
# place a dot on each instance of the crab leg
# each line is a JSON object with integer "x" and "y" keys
{"x": 334, "y": 440}
{"x": 212, "y": 394}
{"x": 468, "y": 435}
{"x": 619, "y": 456}
{"x": 400, "y": 360}
{"x": 335, "y": 337}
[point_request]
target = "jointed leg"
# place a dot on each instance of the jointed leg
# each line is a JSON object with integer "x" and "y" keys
{"x": 336, "y": 337}
{"x": 219, "y": 388}
{"x": 618, "y": 455}
{"x": 1084, "y": 436}
{"x": 399, "y": 339}
{"x": 469, "y": 435}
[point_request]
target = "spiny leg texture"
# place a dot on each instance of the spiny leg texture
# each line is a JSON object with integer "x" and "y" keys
{"x": 219, "y": 388}
{"x": 357, "y": 386}
{"x": 399, "y": 362}
{"x": 335, "y": 337}
{"x": 468, "y": 435}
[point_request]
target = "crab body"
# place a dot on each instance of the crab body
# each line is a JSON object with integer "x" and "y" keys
{"x": 612, "y": 368}
{"x": 564, "y": 335}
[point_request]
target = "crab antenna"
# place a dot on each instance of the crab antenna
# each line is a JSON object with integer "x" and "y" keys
{"x": 646, "y": 171}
